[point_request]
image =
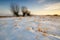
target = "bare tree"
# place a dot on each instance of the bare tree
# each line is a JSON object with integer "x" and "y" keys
{"x": 15, "y": 9}
{"x": 25, "y": 11}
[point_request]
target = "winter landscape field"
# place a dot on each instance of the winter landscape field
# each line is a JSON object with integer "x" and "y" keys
{"x": 30, "y": 28}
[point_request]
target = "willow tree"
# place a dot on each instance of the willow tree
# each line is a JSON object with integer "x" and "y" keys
{"x": 25, "y": 11}
{"x": 15, "y": 9}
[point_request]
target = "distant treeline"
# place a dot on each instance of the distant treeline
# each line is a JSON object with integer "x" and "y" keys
{"x": 54, "y": 15}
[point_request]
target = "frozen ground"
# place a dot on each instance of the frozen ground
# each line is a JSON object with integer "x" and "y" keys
{"x": 30, "y": 28}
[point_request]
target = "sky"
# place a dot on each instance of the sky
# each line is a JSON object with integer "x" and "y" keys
{"x": 36, "y": 7}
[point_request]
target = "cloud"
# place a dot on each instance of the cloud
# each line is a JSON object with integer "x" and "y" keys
{"x": 47, "y": 1}
{"x": 48, "y": 9}
{"x": 55, "y": 6}
{"x": 40, "y": 1}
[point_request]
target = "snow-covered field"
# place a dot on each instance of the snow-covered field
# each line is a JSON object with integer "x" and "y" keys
{"x": 30, "y": 28}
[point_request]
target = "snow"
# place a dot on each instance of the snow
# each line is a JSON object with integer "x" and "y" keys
{"x": 30, "y": 28}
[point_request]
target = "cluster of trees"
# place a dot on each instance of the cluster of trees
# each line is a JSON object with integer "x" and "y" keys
{"x": 15, "y": 10}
